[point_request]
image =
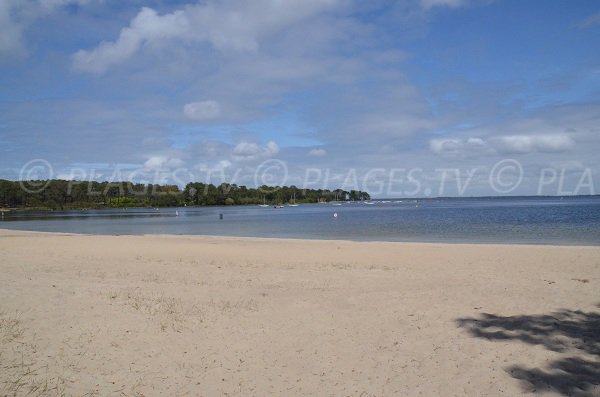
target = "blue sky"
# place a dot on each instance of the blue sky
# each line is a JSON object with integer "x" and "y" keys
{"x": 334, "y": 92}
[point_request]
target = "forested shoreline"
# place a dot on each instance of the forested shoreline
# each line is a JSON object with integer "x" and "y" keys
{"x": 63, "y": 194}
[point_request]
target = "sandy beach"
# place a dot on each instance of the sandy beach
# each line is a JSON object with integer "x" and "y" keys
{"x": 179, "y": 315}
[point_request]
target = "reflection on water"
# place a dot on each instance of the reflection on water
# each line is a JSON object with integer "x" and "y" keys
{"x": 569, "y": 220}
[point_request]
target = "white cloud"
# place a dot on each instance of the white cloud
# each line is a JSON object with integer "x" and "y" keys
{"x": 457, "y": 146}
{"x": 252, "y": 151}
{"x": 445, "y": 145}
{"x": 147, "y": 26}
{"x": 246, "y": 149}
{"x": 317, "y": 152}
{"x": 226, "y": 26}
{"x": 513, "y": 144}
{"x": 476, "y": 143}
{"x": 163, "y": 163}
{"x": 552, "y": 143}
{"x": 201, "y": 111}
{"x": 272, "y": 148}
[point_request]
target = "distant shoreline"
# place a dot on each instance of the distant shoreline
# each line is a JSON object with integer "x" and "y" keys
{"x": 568, "y": 197}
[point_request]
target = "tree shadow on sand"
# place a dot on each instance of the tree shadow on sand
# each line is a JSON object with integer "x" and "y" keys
{"x": 574, "y": 333}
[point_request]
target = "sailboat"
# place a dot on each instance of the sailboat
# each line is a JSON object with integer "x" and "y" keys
{"x": 264, "y": 204}
{"x": 336, "y": 201}
{"x": 293, "y": 201}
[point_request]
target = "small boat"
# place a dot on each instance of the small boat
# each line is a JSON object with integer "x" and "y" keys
{"x": 336, "y": 201}
{"x": 293, "y": 201}
{"x": 264, "y": 204}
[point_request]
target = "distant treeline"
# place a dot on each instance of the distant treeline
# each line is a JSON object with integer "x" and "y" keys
{"x": 61, "y": 194}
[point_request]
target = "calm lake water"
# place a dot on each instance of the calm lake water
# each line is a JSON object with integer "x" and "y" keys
{"x": 528, "y": 220}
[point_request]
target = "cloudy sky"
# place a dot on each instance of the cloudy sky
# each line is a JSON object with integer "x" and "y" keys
{"x": 402, "y": 98}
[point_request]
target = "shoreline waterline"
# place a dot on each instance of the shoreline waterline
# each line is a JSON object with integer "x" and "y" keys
{"x": 266, "y": 240}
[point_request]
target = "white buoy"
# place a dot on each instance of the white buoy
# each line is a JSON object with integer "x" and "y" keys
{"x": 335, "y": 214}
{"x": 176, "y": 213}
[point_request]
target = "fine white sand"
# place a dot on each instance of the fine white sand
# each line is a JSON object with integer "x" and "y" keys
{"x": 175, "y": 315}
